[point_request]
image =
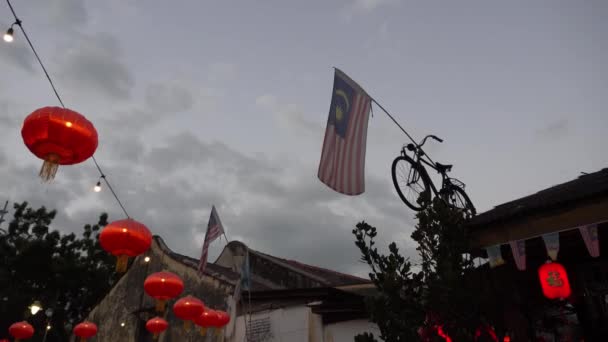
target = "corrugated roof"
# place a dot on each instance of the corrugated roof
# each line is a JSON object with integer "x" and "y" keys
{"x": 585, "y": 187}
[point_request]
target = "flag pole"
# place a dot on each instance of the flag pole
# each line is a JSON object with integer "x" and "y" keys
{"x": 392, "y": 118}
{"x": 384, "y": 110}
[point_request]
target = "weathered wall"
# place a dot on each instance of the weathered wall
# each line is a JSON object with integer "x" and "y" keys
{"x": 128, "y": 297}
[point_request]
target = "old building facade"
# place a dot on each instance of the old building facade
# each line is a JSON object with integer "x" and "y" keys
{"x": 122, "y": 313}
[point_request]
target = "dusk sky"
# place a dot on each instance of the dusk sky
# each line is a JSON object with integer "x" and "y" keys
{"x": 225, "y": 102}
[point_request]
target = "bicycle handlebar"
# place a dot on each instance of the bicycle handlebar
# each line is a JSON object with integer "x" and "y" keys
{"x": 434, "y": 137}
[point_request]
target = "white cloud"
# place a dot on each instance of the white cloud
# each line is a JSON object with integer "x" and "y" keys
{"x": 288, "y": 115}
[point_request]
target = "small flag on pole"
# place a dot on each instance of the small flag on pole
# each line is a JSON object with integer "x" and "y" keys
{"x": 590, "y": 237}
{"x": 519, "y": 253}
{"x": 552, "y": 243}
{"x": 495, "y": 256}
{"x": 342, "y": 165}
{"x": 214, "y": 230}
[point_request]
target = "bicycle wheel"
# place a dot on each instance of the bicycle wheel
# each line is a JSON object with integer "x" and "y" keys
{"x": 459, "y": 199}
{"x": 411, "y": 183}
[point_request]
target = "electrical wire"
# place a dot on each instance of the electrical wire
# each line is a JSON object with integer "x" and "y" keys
{"x": 102, "y": 174}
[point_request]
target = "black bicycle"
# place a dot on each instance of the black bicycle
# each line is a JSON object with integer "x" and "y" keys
{"x": 414, "y": 185}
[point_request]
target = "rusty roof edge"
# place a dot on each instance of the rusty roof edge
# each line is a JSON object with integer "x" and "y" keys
{"x": 486, "y": 219}
{"x": 531, "y": 212}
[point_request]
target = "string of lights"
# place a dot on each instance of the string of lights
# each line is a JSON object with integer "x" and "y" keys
{"x": 9, "y": 37}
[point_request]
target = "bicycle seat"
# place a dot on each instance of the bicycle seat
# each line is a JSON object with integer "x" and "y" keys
{"x": 443, "y": 168}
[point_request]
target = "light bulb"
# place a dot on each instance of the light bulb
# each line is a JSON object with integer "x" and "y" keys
{"x": 35, "y": 307}
{"x": 147, "y": 259}
{"x": 48, "y": 327}
{"x": 97, "y": 187}
{"x": 8, "y": 36}
{"x": 122, "y": 324}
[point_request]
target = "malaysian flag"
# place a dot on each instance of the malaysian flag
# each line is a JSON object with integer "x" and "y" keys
{"x": 214, "y": 230}
{"x": 342, "y": 163}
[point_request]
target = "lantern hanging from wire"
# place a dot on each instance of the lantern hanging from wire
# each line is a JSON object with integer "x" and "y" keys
{"x": 222, "y": 319}
{"x": 85, "y": 330}
{"x": 188, "y": 309}
{"x": 208, "y": 319}
{"x": 156, "y": 326}
{"x": 125, "y": 238}
{"x": 21, "y": 331}
{"x": 59, "y": 136}
{"x": 554, "y": 280}
{"x": 163, "y": 286}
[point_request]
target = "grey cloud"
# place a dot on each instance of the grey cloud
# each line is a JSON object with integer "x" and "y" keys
{"x": 161, "y": 101}
{"x": 289, "y": 116}
{"x": 370, "y": 5}
{"x": 171, "y": 98}
{"x": 94, "y": 64}
{"x": 18, "y": 53}
{"x": 222, "y": 72}
{"x": 67, "y": 13}
{"x": 554, "y": 130}
{"x": 275, "y": 206}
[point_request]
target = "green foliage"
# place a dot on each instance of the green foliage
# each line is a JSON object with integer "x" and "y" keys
{"x": 397, "y": 309}
{"x": 441, "y": 293}
{"x": 66, "y": 273}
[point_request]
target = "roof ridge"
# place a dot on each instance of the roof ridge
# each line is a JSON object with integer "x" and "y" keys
{"x": 291, "y": 261}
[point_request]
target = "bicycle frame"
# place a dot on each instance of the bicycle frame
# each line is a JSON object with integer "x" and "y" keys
{"x": 419, "y": 155}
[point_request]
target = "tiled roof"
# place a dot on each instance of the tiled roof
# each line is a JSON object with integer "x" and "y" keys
{"x": 585, "y": 187}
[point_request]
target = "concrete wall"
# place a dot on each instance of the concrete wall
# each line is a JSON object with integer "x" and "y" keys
{"x": 128, "y": 296}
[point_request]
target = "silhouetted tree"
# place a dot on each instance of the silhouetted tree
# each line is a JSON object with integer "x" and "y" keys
{"x": 411, "y": 306}
{"x": 66, "y": 273}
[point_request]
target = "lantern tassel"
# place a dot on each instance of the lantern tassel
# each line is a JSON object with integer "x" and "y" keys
{"x": 155, "y": 336}
{"x": 121, "y": 263}
{"x": 49, "y": 168}
{"x": 187, "y": 325}
{"x": 83, "y": 339}
{"x": 203, "y": 331}
{"x": 218, "y": 331}
{"x": 160, "y": 306}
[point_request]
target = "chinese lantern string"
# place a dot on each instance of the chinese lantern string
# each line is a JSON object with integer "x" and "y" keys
{"x": 105, "y": 179}
{"x": 19, "y": 23}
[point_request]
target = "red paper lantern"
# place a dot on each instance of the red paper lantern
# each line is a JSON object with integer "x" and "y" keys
{"x": 156, "y": 326}
{"x": 223, "y": 318}
{"x": 85, "y": 330}
{"x": 59, "y": 136}
{"x": 188, "y": 309}
{"x": 124, "y": 239}
{"x": 507, "y": 339}
{"x": 21, "y": 331}
{"x": 208, "y": 319}
{"x": 554, "y": 281}
{"x": 163, "y": 286}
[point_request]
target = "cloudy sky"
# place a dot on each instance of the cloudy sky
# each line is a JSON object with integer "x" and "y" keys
{"x": 224, "y": 102}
